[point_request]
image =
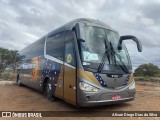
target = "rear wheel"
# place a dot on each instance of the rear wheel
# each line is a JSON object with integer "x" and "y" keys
{"x": 48, "y": 91}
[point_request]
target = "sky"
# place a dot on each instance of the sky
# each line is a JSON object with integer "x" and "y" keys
{"x": 24, "y": 21}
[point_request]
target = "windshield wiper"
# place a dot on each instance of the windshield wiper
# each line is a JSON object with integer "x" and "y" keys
{"x": 106, "y": 54}
{"x": 113, "y": 53}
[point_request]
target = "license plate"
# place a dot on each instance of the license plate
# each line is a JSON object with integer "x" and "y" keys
{"x": 116, "y": 97}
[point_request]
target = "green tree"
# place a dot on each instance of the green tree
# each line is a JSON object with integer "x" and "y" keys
{"x": 8, "y": 58}
{"x": 150, "y": 70}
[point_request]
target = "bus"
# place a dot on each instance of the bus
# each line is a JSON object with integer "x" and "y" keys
{"x": 84, "y": 62}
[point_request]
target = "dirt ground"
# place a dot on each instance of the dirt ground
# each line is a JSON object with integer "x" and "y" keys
{"x": 15, "y": 98}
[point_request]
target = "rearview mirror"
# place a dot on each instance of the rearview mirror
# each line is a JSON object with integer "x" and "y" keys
{"x": 127, "y": 37}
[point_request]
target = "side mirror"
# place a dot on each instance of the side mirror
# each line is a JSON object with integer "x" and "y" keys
{"x": 139, "y": 45}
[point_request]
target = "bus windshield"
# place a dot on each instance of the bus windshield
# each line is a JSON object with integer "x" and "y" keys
{"x": 98, "y": 42}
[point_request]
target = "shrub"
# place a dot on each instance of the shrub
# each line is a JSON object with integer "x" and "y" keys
{"x": 7, "y": 76}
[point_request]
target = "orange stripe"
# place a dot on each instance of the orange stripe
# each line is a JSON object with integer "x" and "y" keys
{"x": 87, "y": 76}
{"x": 131, "y": 78}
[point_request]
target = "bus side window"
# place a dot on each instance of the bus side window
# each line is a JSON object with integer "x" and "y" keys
{"x": 69, "y": 49}
{"x": 55, "y": 45}
{"x": 36, "y": 49}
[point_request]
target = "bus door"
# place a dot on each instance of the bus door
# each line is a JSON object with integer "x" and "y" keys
{"x": 69, "y": 69}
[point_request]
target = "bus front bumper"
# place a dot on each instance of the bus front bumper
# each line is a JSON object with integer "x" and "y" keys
{"x": 105, "y": 98}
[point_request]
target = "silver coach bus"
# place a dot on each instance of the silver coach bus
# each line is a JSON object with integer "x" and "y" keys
{"x": 84, "y": 62}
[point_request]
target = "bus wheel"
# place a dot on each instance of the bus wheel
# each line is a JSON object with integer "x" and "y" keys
{"x": 18, "y": 80}
{"x": 49, "y": 90}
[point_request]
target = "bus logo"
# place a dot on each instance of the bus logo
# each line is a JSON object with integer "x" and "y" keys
{"x": 114, "y": 76}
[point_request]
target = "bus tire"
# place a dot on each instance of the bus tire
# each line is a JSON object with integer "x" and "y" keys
{"x": 48, "y": 91}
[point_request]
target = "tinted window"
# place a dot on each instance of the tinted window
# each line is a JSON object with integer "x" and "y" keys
{"x": 55, "y": 45}
{"x": 38, "y": 48}
{"x": 35, "y": 49}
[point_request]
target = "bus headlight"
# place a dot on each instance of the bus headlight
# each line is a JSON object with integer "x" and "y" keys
{"x": 132, "y": 86}
{"x": 87, "y": 87}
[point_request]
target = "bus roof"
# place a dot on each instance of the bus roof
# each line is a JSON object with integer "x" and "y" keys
{"x": 72, "y": 23}
{"x": 88, "y": 21}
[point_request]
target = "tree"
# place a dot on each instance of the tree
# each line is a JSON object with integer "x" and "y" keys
{"x": 8, "y": 58}
{"x": 150, "y": 70}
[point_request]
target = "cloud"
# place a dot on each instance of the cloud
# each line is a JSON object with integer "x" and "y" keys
{"x": 24, "y": 21}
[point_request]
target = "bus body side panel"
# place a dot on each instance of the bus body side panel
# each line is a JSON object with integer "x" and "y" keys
{"x": 63, "y": 78}
{"x": 59, "y": 88}
{"x": 30, "y": 72}
{"x": 35, "y": 72}
{"x": 51, "y": 71}
{"x": 24, "y": 75}
{"x": 40, "y": 74}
